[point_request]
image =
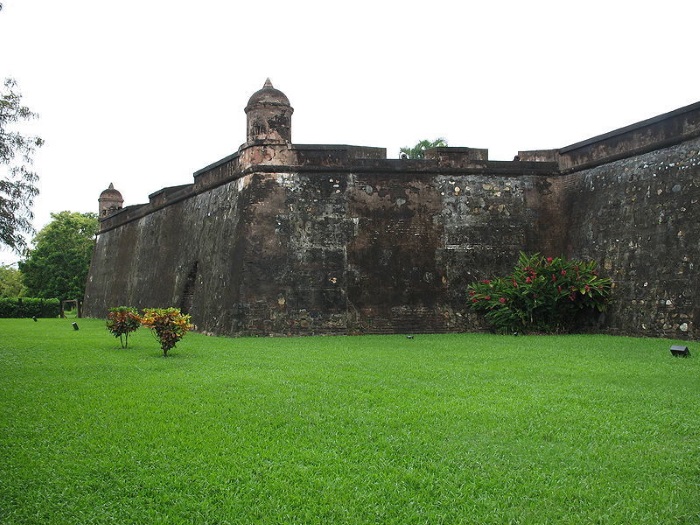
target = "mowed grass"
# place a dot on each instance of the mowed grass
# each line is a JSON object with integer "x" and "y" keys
{"x": 462, "y": 428}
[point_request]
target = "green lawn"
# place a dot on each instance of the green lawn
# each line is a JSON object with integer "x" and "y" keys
{"x": 375, "y": 429}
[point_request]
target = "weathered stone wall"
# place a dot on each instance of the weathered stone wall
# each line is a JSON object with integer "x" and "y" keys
{"x": 281, "y": 238}
{"x": 321, "y": 252}
{"x": 639, "y": 217}
{"x": 420, "y": 239}
{"x": 187, "y": 254}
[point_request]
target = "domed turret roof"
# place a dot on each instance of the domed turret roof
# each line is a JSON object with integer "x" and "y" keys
{"x": 111, "y": 193}
{"x": 267, "y": 96}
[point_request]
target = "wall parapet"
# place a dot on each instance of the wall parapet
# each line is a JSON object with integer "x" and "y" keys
{"x": 648, "y": 135}
{"x": 217, "y": 173}
{"x": 313, "y": 158}
{"x": 642, "y": 137}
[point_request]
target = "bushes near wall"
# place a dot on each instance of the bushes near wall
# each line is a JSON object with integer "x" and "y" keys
{"x": 168, "y": 325}
{"x": 29, "y": 307}
{"x": 542, "y": 295}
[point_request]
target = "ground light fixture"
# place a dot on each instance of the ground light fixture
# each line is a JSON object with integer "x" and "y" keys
{"x": 680, "y": 351}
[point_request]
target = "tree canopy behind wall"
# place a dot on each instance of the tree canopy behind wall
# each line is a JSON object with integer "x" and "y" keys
{"x": 58, "y": 264}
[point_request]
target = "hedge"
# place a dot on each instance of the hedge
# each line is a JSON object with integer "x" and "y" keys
{"x": 29, "y": 307}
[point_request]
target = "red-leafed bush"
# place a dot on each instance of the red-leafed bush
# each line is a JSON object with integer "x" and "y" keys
{"x": 541, "y": 295}
{"x": 121, "y": 321}
{"x": 169, "y": 325}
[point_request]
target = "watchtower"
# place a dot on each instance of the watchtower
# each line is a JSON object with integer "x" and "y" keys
{"x": 110, "y": 201}
{"x": 269, "y": 116}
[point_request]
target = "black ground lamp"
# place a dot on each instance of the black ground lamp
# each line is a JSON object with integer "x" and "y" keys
{"x": 680, "y": 351}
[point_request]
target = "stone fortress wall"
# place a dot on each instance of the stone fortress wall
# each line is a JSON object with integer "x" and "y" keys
{"x": 282, "y": 238}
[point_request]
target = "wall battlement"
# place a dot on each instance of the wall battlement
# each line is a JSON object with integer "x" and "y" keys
{"x": 309, "y": 158}
{"x": 283, "y": 238}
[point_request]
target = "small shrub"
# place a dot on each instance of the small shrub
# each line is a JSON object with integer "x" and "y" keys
{"x": 121, "y": 321}
{"x": 169, "y": 325}
{"x": 542, "y": 295}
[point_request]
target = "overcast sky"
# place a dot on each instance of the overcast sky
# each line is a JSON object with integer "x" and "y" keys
{"x": 142, "y": 93}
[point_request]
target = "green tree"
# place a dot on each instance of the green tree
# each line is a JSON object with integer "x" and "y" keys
{"x": 17, "y": 180}
{"x": 58, "y": 264}
{"x": 10, "y": 282}
{"x": 418, "y": 151}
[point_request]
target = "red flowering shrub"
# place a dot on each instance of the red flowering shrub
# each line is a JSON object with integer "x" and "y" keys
{"x": 541, "y": 295}
{"x": 121, "y": 321}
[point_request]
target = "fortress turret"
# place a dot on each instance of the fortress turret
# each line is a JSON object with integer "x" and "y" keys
{"x": 110, "y": 201}
{"x": 269, "y": 116}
